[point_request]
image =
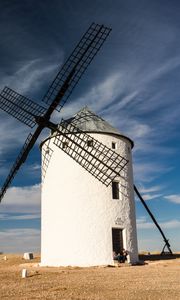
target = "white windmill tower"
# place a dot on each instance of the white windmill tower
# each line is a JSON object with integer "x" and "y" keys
{"x": 85, "y": 218}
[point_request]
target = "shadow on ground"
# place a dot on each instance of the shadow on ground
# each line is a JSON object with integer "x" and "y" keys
{"x": 154, "y": 257}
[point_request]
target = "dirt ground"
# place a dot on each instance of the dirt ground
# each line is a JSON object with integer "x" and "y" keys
{"x": 156, "y": 279}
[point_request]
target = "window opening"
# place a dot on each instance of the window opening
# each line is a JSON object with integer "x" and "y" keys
{"x": 114, "y": 145}
{"x": 64, "y": 145}
{"x": 115, "y": 190}
{"x": 90, "y": 143}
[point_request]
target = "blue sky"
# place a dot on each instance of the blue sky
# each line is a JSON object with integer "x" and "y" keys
{"x": 133, "y": 83}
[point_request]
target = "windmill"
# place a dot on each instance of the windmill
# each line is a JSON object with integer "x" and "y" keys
{"x": 99, "y": 160}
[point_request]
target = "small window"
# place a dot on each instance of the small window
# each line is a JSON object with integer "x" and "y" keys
{"x": 47, "y": 151}
{"x": 114, "y": 145}
{"x": 90, "y": 143}
{"x": 115, "y": 190}
{"x": 64, "y": 145}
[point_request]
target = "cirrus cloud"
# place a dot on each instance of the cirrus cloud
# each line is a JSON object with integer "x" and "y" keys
{"x": 173, "y": 198}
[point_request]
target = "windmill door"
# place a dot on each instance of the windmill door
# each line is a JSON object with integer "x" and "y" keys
{"x": 117, "y": 240}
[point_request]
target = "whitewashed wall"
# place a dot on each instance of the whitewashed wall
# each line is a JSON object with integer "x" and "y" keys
{"x": 78, "y": 212}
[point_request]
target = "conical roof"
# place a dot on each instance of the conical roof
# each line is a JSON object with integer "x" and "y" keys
{"x": 88, "y": 121}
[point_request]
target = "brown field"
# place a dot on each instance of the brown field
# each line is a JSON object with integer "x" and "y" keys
{"x": 157, "y": 279}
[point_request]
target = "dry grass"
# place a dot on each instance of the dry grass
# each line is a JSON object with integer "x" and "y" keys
{"x": 158, "y": 279}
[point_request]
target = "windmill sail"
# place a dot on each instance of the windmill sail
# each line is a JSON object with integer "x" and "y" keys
{"x": 47, "y": 153}
{"x": 20, "y": 107}
{"x": 76, "y": 64}
{"x": 99, "y": 160}
{"x": 19, "y": 161}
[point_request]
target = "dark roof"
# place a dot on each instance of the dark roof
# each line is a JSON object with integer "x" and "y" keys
{"x": 88, "y": 121}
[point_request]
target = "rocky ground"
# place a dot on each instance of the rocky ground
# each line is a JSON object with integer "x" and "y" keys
{"x": 156, "y": 279}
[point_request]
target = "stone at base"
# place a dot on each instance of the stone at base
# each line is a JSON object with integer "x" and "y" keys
{"x": 28, "y": 255}
{"x": 24, "y": 273}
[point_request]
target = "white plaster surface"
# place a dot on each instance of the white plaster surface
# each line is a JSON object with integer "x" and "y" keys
{"x": 78, "y": 212}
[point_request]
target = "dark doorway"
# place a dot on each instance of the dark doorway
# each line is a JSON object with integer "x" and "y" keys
{"x": 117, "y": 240}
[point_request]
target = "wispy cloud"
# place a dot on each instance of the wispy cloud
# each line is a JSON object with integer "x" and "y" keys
{"x": 12, "y": 133}
{"x": 98, "y": 96}
{"x": 142, "y": 223}
{"x": 35, "y": 167}
{"x": 22, "y": 200}
{"x": 150, "y": 193}
{"x": 11, "y": 217}
{"x": 173, "y": 198}
{"x": 32, "y": 74}
{"x": 150, "y": 189}
{"x": 151, "y": 196}
{"x": 132, "y": 84}
{"x": 20, "y": 240}
{"x": 32, "y": 170}
{"x": 148, "y": 171}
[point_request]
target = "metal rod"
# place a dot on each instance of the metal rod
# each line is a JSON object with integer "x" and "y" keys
{"x": 154, "y": 220}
